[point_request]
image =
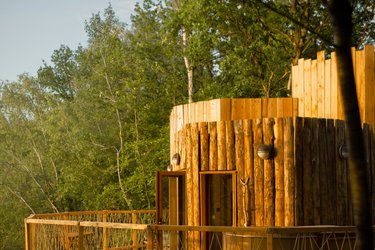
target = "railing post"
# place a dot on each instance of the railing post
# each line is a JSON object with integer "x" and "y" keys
{"x": 269, "y": 241}
{"x": 27, "y": 235}
{"x": 134, "y": 232}
{"x": 105, "y": 213}
{"x": 80, "y": 237}
{"x": 66, "y": 232}
{"x": 150, "y": 238}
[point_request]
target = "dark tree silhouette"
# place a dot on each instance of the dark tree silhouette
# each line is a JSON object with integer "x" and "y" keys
{"x": 341, "y": 18}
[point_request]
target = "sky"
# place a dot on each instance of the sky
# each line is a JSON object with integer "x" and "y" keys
{"x": 30, "y": 30}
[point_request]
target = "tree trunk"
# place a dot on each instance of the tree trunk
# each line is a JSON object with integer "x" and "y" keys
{"x": 341, "y": 17}
{"x": 188, "y": 65}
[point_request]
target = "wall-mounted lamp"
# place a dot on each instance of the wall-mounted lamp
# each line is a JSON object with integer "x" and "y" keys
{"x": 265, "y": 152}
{"x": 176, "y": 159}
{"x": 343, "y": 151}
{"x": 169, "y": 168}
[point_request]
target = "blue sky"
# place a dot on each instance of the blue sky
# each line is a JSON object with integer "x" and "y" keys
{"x": 30, "y": 30}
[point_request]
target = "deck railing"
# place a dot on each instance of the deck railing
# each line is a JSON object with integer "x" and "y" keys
{"x": 88, "y": 230}
{"x": 254, "y": 238}
{"x": 110, "y": 230}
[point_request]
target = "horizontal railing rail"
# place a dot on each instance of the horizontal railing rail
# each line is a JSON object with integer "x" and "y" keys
{"x": 89, "y": 230}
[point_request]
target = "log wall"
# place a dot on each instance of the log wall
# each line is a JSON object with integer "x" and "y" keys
{"x": 306, "y": 183}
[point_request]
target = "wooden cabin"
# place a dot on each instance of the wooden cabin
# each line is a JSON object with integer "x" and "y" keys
{"x": 268, "y": 162}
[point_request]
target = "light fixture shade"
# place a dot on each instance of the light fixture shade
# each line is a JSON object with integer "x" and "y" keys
{"x": 343, "y": 151}
{"x": 265, "y": 151}
{"x": 176, "y": 159}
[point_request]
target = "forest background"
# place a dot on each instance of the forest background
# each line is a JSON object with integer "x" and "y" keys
{"x": 91, "y": 129}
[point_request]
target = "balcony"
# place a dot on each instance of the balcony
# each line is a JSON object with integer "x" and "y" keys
{"x": 110, "y": 230}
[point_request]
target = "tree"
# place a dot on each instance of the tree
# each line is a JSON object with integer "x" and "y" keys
{"x": 341, "y": 16}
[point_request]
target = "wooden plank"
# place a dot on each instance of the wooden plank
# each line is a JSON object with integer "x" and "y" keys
{"x": 325, "y": 180}
{"x": 239, "y": 154}
{"x": 327, "y": 89}
{"x": 258, "y": 174}
{"x": 308, "y": 204}
{"x": 221, "y": 145}
{"x": 269, "y": 175}
{"x": 265, "y": 107}
{"x": 315, "y": 170}
{"x": 204, "y": 142}
{"x": 238, "y": 109}
{"x": 249, "y": 171}
{"x": 301, "y": 89}
{"x": 299, "y": 148}
{"x": 225, "y": 109}
{"x": 369, "y": 85}
{"x": 295, "y": 84}
{"x": 279, "y": 173}
{"x": 320, "y": 80}
{"x": 230, "y": 145}
{"x": 360, "y": 81}
{"x": 314, "y": 88}
{"x": 272, "y": 107}
{"x": 341, "y": 177}
{"x": 331, "y": 172}
{"x": 366, "y": 131}
{"x": 289, "y": 173}
{"x": 335, "y": 95}
{"x": 256, "y": 108}
{"x": 308, "y": 88}
{"x": 213, "y": 146}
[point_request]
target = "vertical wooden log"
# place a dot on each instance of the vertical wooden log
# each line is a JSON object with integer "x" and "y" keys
{"x": 324, "y": 177}
{"x": 189, "y": 175}
{"x": 258, "y": 175}
{"x": 332, "y": 169}
{"x": 315, "y": 171}
{"x": 230, "y": 145}
{"x": 342, "y": 178}
{"x": 279, "y": 173}
{"x": 308, "y": 202}
{"x": 239, "y": 154}
{"x": 213, "y": 146}
{"x": 221, "y": 146}
{"x": 195, "y": 180}
{"x": 249, "y": 172}
{"x": 299, "y": 172}
{"x": 204, "y": 142}
{"x": 189, "y": 184}
{"x": 289, "y": 173}
{"x": 269, "y": 175}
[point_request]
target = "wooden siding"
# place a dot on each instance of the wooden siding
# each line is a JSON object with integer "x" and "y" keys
{"x": 315, "y": 84}
{"x": 220, "y": 110}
